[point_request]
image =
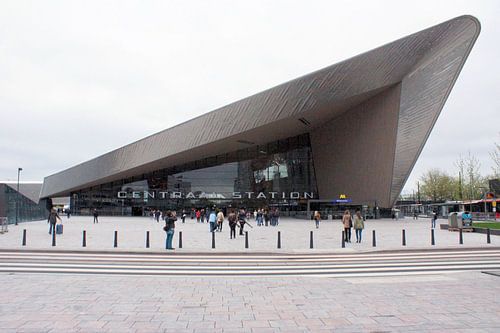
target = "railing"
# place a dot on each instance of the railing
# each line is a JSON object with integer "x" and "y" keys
{"x": 483, "y": 216}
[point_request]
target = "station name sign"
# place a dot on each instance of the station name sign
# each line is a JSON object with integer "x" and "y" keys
{"x": 212, "y": 195}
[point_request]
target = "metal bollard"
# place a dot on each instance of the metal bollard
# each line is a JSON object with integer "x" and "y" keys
{"x": 374, "y": 239}
{"x": 147, "y": 239}
{"x": 311, "y": 240}
{"x": 343, "y": 239}
{"x": 404, "y": 237}
{"x": 279, "y": 239}
{"x": 24, "y": 237}
{"x": 180, "y": 239}
{"x": 213, "y": 240}
{"x": 84, "y": 238}
{"x": 54, "y": 236}
{"x": 115, "y": 243}
{"x": 488, "y": 238}
{"x": 246, "y": 239}
{"x": 460, "y": 237}
{"x": 433, "y": 240}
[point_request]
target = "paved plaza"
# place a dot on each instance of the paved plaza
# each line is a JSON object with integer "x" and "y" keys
{"x": 295, "y": 236}
{"x": 76, "y": 302}
{"x": 463, "y": 302}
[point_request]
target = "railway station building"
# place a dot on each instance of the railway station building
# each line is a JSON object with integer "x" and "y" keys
{"x": 347, "y": 134}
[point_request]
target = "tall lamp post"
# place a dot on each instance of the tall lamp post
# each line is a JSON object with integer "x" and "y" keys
{"x": 17, "y": 197}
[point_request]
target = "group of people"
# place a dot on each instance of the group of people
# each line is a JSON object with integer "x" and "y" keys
{"x": 215, "y": 218}
{"x": 357, "y": 222}
{"x": 266, "y": 217}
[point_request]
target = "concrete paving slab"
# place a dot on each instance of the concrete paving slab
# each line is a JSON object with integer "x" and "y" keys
{"x": 196, "y": 236}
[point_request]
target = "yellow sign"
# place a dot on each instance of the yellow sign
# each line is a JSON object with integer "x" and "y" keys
{"x": 342, "y": 196}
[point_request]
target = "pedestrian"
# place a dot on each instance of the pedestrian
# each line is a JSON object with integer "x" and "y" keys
{"x": 266, "y": 217}
{"x": 68, "y": 213}
{"x": 198, "y": 215}
{"x": 202, "y": 213}
{"x": 157, "y": 216}
{"x": 212, "y": 218}
{"x": 52, "y": 220}
{"x": 169, "y": 228}
{"x": 347, "y": 222}
{"x": 317, "y": 219}
{"x": 183, "y": 216}
{"x": 433, "y": 220}
{"x": 359, "y": 225}
{"x": 259, "y": 217}
{"x": 96, "y": 215}
{"x": 415, "y": 215}
{"x": 207, "y": 213}
{"x": 231, "y": 218}
{"x": 241, "y": 220}
{"x": 220, "y": 220}
{"x": 277, "y": 216}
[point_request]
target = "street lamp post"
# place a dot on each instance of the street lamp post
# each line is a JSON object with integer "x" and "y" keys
{"x": 17, "y": 196}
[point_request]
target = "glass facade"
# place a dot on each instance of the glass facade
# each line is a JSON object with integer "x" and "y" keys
{"x": 27, "y": 210}
{"x": 279, "y": 173}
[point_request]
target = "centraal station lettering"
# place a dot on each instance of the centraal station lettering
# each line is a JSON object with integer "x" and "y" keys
{"x": 213, "y": 195}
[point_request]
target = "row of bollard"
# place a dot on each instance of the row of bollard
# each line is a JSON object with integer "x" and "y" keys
{"x": 311, "y": 239}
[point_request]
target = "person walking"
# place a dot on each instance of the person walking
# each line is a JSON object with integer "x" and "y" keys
{"x": 259, "y": 217}
{"x": 212, "y": 218}
{"x": 96, "y": 215}
{"x": 169, "y": 228}
{"x": 317, "y": 219}
{"x": 198, "y": 216}
{"x": 183, "y": 216}
{"x": 266, "y": 217}
{"x": 359, "y": 225}
{"x": 207, "y": 213}
{"x": 157, "y": 216}
{"x": 52, "y": 220}
{"x": 241, "y": 220}
{"x": 220, "y": 220}
{"x": 347, "y": 221}
{"x": 273, "y": 217}
{"x": 433, "y": 220}
{"x": 231, "y": 218}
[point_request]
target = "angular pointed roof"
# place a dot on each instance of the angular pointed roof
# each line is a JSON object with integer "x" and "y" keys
{"x": 426, "y": 64}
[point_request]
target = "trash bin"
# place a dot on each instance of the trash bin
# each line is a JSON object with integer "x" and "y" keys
{"x": 453, "y": 220}
{"x": 466, "y": 220}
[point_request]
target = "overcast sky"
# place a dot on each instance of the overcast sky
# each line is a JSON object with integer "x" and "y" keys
{"x": 81, "y": 78}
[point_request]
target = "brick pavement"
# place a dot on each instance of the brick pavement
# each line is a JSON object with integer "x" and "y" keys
{"x": 461, "y": 302}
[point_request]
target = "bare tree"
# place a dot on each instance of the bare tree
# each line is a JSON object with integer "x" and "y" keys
{"x": 470, "y": 180}
{"x": 495, "y": 156}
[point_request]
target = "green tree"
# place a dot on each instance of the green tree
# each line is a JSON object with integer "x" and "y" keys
{"x": 437, "y": 185}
